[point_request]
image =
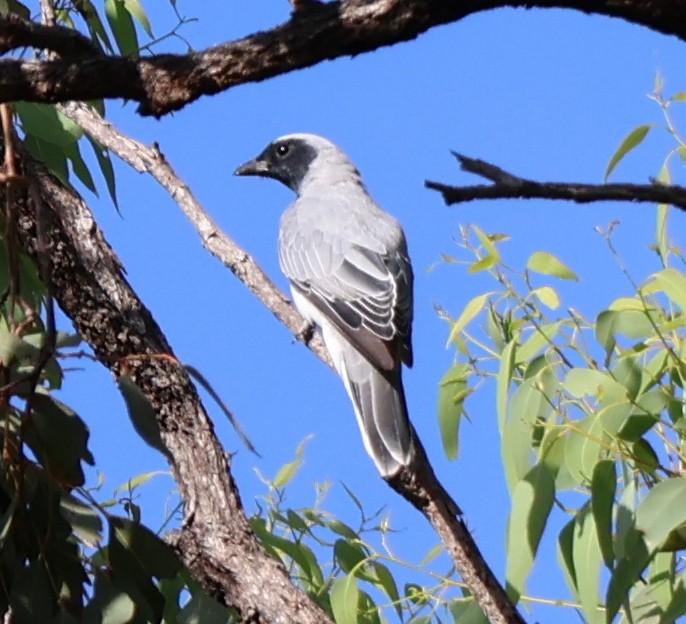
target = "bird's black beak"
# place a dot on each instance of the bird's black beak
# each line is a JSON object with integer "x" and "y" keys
{"x": 254, "y": 167}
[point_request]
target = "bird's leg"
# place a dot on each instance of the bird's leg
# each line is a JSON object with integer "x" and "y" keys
{"x": 306, "y": 332}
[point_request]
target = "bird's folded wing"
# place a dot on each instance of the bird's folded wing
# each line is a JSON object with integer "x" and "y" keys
{"x": 367, "y": 295}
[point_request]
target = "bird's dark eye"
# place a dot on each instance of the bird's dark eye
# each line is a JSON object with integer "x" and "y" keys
{"x": 283, "y": 149}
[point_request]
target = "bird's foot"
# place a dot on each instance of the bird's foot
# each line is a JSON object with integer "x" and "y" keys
{"x": 305, "y": 333}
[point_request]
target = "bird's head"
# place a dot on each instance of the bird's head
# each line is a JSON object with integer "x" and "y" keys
{"x": 294, "y": 158}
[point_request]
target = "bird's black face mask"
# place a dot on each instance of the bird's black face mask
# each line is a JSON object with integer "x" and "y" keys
{"x": 286, "y": 160}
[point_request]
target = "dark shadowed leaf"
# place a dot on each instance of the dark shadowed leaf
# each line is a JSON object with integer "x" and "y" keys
{"x": 59, "y": 439}
{"x": 141, "y": 413}
{"x": 603, "y": 488}
{"x": 122, "y": 27}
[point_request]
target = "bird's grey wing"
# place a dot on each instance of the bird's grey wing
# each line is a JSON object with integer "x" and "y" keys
{"x": 366, "y": 293}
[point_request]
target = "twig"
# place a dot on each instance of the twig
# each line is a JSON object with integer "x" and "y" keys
{"x": 508, "y": 186}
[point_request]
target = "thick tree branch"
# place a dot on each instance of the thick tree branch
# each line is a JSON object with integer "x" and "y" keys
{"x": 165, "y": 83}
{"x": 16, "y": 32}
{"x": 218, "y": 544}
{"x": 508, "y": 186}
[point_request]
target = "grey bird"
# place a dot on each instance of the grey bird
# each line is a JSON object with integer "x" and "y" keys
{"x": 350, "y": 276}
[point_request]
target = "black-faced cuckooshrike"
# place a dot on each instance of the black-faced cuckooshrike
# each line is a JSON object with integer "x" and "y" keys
{"x": 350, "y": 275}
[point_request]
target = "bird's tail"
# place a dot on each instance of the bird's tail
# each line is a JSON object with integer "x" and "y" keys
{"x": 379, "y": 403}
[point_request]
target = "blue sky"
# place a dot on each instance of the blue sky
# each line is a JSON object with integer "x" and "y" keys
{"x": 544, "y": 94}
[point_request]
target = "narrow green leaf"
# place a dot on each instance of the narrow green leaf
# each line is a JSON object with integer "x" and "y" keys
{"x": 136, "y": 10}
{"x": 546, "y": 264}
{"x": 629, "y": 142}
{"x": 44, "y": 122}
{"x": 432, "y": 554}
{"x": 452, "y": 392}
{"x": 565, "y": 557}
{"x": 344, "y": 598}
{"x": 587, "y": 559}
{"x": 470, "y": 311}
{"x": 603, "y": 488}
{"x": 73, "y": 153}
{"x": 504, "y": 378}
{"x": 286, "y": 473}
{"x": 532, "y": 501}
{"x": 105, "y": 163}
{"x": 381, "y": 576}
{"x": 680, "y": 96}
{"x": 122, "y": 27}
{"x": 142, "y": 414}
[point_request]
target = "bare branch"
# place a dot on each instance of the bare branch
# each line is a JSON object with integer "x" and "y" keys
{"x": 151, "y": 160}
{"x": 508, "y": 186}
{"x": 16, "y": 32}
{"x": 324, "y": 31}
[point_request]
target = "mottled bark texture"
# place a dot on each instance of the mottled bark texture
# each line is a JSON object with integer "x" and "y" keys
{"x": 168, "y": 82}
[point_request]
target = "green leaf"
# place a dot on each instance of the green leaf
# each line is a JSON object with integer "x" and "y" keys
{"x": 109, "y": 604}
{"x": 470, "y": 311}
{"x": 142, "y": 414}
{"x": 32, "y": 598}
{"x": 288, "y": 471}
{"x": 671, "y": 282}
{"x": 603, "y": 488}
{"x": 541, "y": 336}
{"x": 547, "y": 296}
{"x": 79, "y": 167}
{"x": 532, "y": 501}
{"x": 136, "y": 10}
{"x": 546, "y": 264}
{"x": 586, "y": 440}
{"x": 122, "y": 27}
{"x": 504, "y": 379}
{"x": 154, "y": 556}
{"x": 565, "y": 557}
{"x": 581, "y": 382}
{"x": 52, "y": 156}
{"x": 59, "y": 438}
{"x": 344, "y": 598}
{"x": 587, "y": 559}
{"x": 84, "y": 520}
{"x": 629, "y": 142}
{"x": 452, "y": 392}
{"x": 44, "y": 122}
{"x": 350, "y": 556}
{"x": 105, "y": 163}
{"x": 661, "y": 511}
{"x": 381, "y": 576}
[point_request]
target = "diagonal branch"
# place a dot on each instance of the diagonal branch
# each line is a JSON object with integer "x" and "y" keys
{"x": 508, "y": 186}
{"x": 216, "y": 542}
{"x": 417, "y": 483}
{"x": 324, "y": 31}
{"x": 150, "y": 160}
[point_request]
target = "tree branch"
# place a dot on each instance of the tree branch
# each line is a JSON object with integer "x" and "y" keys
{"x": 218, "y": 545}
{"x": 508, "y": 186}
{"x": 168, "y": 82}
{"x": 417, "y": 483}
{"x": 16, "y": 32}
{"x": 150, "y": 160}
